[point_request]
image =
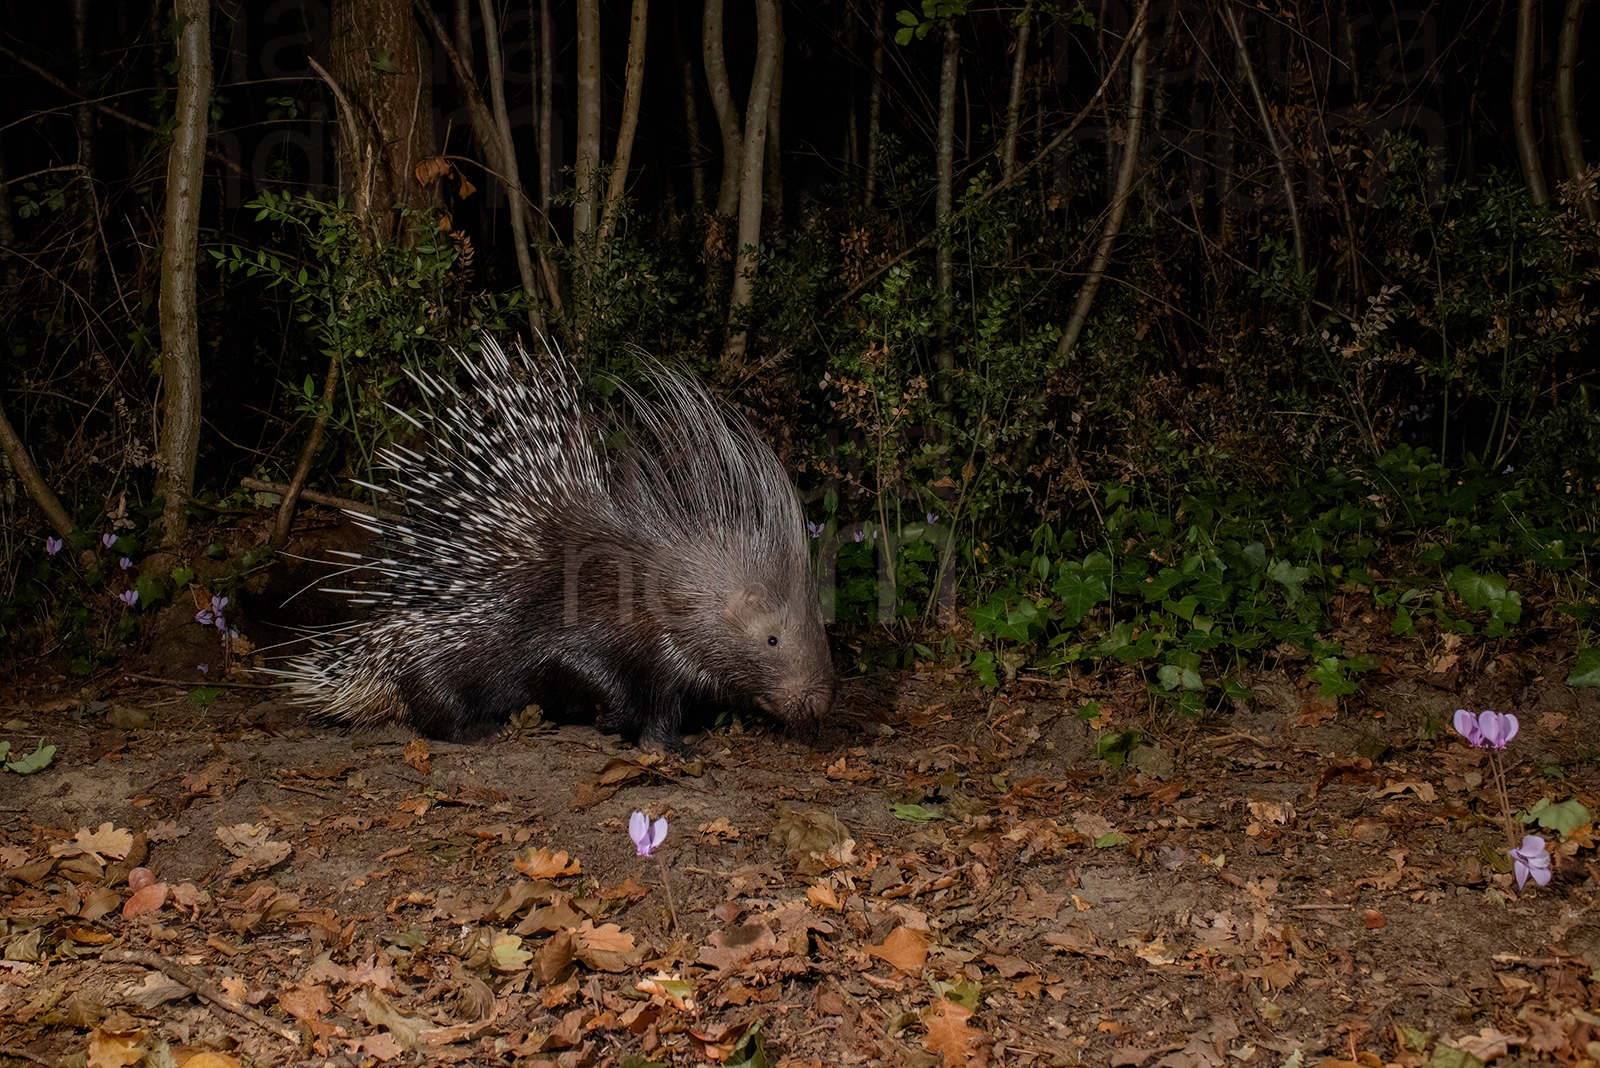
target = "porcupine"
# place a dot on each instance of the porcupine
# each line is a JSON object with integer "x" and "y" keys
{"x": 536, "y": 565}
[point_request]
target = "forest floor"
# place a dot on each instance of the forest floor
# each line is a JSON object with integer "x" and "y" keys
{"x": 1293, "y": 883}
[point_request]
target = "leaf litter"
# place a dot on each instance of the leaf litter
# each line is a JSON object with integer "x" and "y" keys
{"x": 969, "y": 889}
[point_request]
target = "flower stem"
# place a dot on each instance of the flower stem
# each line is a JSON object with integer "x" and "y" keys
{"x": 666, "y": 884}
{"x": 1496, "y": 762}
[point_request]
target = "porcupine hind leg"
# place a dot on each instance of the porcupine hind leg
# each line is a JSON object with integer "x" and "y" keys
{"x": 649, "y": 714}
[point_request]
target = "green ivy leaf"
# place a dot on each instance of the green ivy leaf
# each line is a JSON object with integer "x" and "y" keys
{"x": 1564, "y": 818}
{"x": 914, "y": 813}
{"x": 1585, "y": 669}
{"x": 37, "y": 760}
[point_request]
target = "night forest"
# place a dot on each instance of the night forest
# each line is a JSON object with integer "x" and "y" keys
{"x": 1185, "y": 397}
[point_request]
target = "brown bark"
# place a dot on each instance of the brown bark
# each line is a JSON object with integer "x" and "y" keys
{"x": 747, "y": 259}
{"x": 1269, "y": 130}
{"x": 944, "y": 152}
{"x": 1566, "y": 104}
{"x": 1522, "y": 100}
{"x": 377, "y": 58}
{"x": 1019, "y": 71}
{"x": 463, "y": 28}
{"x": 302, "y": 472}
{"x": 515, "y": 197}
{"x": 691, "y": 118}
{"x": 180, "y": 324}
{"x": 633, "y": 89}
{"x": 1121, "y": 192}
{"x": 32, "y": 481}
{"x": 722, "y": 103}
{"x": 773, "y": 170}
{"x": 547, "y": 164}
{"x": 586, "y": 158}
{"x": 83, "y": 119}
{"x": 486, "y": 130}
{"x": 875, "y": 102}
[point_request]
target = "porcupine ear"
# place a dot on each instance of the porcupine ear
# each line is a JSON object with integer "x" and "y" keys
{"x": 743, "y": 602}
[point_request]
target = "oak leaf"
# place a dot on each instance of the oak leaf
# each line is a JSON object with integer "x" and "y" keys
{"x": 951, "y": 1035}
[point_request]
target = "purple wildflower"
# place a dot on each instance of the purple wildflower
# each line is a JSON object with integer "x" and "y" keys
{"x": 1531, "y": 859}
{"x": 129, "y": 597}
{"x": 645, "y": 837}
{"x": 933, "y": 517}
{"x": 213, "y": 617}
{"x": 108, "y": 540}
{"x": 52, "y": 545}
{"x": 814, "y": 529}
{"x": 1487, "y": 728}
{"x": 857, "y": 536}
{"x": 125, "y": 563}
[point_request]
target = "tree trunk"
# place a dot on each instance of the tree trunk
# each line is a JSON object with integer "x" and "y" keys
{"x": 302, "y": 472}
{"x": 9, "y": 271}
{"x": 377, "y": 58}
{"x": 547, "y": 108}
{"x": 463, "y": 28}
{"x": 500, "y": 154}
{"x": 633, "y": 89}
{"x": 586, "y": 159}
{"x": 874, "y": 103}
{"x": 1122, "y": 191}
{"x": 691, "y": 116}
{"x": 83, "y": 118}
{"x": 1566, "y": 105}
{"x": 515, "y": 197}
{"x": 773, "y": 170}
{"x": 747, "y": 259}
{"x": 944, "y": 152}
{"x": 32, "y": 481}
{"x": 722, "y": 103}
{"x": 1268, "y": 128}
{"x": 180, "y": 323}
{"x": 1522, "y": 100}
{"x": 1019, "y": 72}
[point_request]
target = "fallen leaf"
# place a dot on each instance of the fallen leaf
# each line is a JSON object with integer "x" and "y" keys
{"x": 256, "y": 852}
{"x": 309, "y": 1003}
{"x": 905, "y": 950}
{"x": 951, "y": 1035}
{"x": 416, "y": 754}
{"x": 543, "y": 864}
{"x": 115, "y": 1049}
{"x": 106, "y": 842}
{"x": 146, "y": 900}
{"x": 1549, "y": 1035}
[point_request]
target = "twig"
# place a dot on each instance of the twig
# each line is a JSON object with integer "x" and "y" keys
{"x": 156, "y": 680}
{"x": 204, "y": 989}
{"x": 297, "y": 485}
{"x": 327, "y": 499}
{"x": 23, "y": 1055}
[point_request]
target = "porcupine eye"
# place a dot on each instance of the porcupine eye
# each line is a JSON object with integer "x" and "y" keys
{"x": 772, "y": 639}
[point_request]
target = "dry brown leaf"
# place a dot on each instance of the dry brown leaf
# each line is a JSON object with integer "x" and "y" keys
{"x": 256, "y": 852}
{"x": 720, "y": 830}
{"x": 1075, "y": 939}
{"x": 729, "y": 949}
{"x": 555, "y": 955}
{"x": 309, "y": 1003}
{"x": 951, "y": 1035}
{"x": 1487, "y": 1044}
{"x": 114, "y": 1049}
{"x": 1549, "y": 1035}
{"x": 542, "y": 864}
{"x": 107, "y": 842}
{"x": 904, "y": 950}
{"x": 418, "y": 755}
{"x": 208, "y": 1059}
{"x": 146, "y": 900}
{"x": 823, "y": 897}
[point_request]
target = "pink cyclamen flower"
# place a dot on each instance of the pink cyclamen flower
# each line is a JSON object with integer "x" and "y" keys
{"x": 108, "y": 540}
{"x": 645, "y": 837}
{"x": 1487, "y": 728}
{"x": 129, "y": 597}
{"x": 1531, "y": 858}
{"x": 125, "y": 563}
{"x": 52, "y": 545}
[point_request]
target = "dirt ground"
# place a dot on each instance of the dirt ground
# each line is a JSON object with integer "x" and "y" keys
{"x": 1291, "y": 883}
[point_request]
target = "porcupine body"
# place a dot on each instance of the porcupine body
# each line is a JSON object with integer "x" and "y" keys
{"x": 533, "y": 565}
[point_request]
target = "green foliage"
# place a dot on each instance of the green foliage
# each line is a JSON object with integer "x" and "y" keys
{"x": 383, "y": 310}
{"x": 27, "y": 763}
